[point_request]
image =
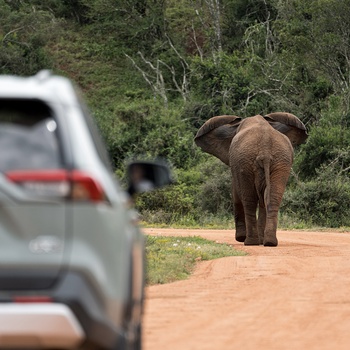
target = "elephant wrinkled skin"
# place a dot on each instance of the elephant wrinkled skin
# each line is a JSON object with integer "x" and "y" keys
{"x": 259, "y": 151}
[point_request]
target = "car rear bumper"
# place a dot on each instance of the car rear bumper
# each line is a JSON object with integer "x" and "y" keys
{"x": 75, "y": 313}
{"x": 39, "y": 325}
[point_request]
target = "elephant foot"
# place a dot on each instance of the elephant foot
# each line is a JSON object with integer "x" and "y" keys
{"x": 240, "y": 235}
{"x": 240, "y": 238}
{"x": 251, "y": 241}
{"x": 271, "y": 242}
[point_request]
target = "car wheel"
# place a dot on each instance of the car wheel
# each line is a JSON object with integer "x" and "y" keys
{"x": 137, "y": 343}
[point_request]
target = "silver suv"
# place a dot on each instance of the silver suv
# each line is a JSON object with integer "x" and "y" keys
{"x": 71, "y": 253}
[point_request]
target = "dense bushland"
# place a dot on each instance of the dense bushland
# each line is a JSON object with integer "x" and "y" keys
{"x": 154, "y": 71}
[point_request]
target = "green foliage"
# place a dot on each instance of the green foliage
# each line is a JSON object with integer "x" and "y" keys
{"x": 324, "y": 146}
{"x": 242, "y": 15}
{"x": 322, "y": 201}
{"x": 127, "y": 23}
{"x": 239, "y": 57}
{"x": 24, "y": 32}
{"x": 214, "y": 193}
{"x": 68, "y": 9}
{"x": 173, "y": 258}
{"x": 328, "y": 142}
{"x": 169, "y": 204}
{"x": 142, "y": 128}
{"x": 174, "y": 202}
{"x": 223, "y": 83}
{"x": 312, "y": 38}
{"x": 199, "y": 197}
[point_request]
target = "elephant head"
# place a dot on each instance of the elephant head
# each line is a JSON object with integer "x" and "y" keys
{"x": 216, "y": 134}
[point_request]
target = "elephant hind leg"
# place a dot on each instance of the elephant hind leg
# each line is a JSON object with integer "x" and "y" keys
{"x": 277, "y": 190}
{"x": 270, "y": 243}
{"x": 240, "y": 222}
{"x": 261, "y": 223}
{"x": 251, "y": 224}
{"x": 270, "y": 238}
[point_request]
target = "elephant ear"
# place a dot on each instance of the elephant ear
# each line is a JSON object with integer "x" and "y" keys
{"x": 289, "y": 125}
{"x": 216, "y": 134}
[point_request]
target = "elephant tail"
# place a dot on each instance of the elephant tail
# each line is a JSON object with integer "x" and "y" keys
{"x": 264, "y": 181}
{"x": 268, "y": 184}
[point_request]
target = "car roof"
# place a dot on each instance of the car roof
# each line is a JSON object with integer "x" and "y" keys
{"x": 44, "y": 85}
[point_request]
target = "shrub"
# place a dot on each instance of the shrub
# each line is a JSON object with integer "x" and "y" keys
{"x": 201, "y": 196}
{"x": 145, "y": 128}
{"x": 328, "y": 141}
{"x": 24, "y": 34}
{"x": 214, "y": 195}
{"x": 171, "y": 203}
{"x": 322, "y": 201}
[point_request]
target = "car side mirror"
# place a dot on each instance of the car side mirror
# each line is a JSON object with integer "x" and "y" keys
{"x": 145, "y": 176}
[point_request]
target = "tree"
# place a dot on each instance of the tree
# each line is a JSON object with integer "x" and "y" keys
{"x": 24, "y": 32}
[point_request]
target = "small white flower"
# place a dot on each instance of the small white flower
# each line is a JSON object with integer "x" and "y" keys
{"x": 175, "y": 245}
{"x": 198, "y": 247}
{"x": 189, "y": 244}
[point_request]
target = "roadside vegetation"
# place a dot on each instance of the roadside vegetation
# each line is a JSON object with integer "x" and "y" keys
{"x": 173, "y": 258}
{"x": 154, "y": 71}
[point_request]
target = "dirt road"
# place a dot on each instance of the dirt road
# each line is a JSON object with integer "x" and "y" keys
{"x": 294, "y": 296}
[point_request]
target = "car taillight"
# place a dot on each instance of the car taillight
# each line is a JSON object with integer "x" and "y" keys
{"x": 32, "y": 299}
{"x": 85, "y": 188}
{"x": 75, "y": 185}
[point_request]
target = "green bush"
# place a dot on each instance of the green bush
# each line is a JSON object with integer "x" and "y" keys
{"x": 145, "y": 128}
{"x": 201, "y": 196}
{"x": 214, "y": 194}
{"x": 321, "y": 201}
{"x": 24, "y": 34}
{"x": 328, "y": 141}
{"x": 173, "y": 203}
{"x": 325, "y": 144}
{"x": 223, "y": 83}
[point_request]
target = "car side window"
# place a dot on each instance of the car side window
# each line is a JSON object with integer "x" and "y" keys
{"x": 28, "y": 138}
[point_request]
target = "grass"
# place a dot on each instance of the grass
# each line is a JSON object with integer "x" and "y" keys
{"x": 173, "y": 258}
{"x": 215, "y": 223}
{"x": 285, "y": 222}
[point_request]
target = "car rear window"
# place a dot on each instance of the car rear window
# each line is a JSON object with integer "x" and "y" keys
{"x": 28, "y": 136}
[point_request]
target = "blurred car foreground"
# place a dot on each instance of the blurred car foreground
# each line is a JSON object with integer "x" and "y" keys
{"x": 71, "y": 255}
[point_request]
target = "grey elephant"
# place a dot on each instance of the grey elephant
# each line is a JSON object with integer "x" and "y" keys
{"x": 259, "y": 151}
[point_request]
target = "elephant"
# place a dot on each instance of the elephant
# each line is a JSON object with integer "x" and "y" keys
{"x": 259, "y": 151}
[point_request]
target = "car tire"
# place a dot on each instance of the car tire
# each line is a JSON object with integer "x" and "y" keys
{"x": 138, "y": 341}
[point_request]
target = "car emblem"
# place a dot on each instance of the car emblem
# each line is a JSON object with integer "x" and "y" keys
{"x": 45, "y": 245}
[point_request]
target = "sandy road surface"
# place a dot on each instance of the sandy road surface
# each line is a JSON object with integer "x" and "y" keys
{"x": 294, "y": 296}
